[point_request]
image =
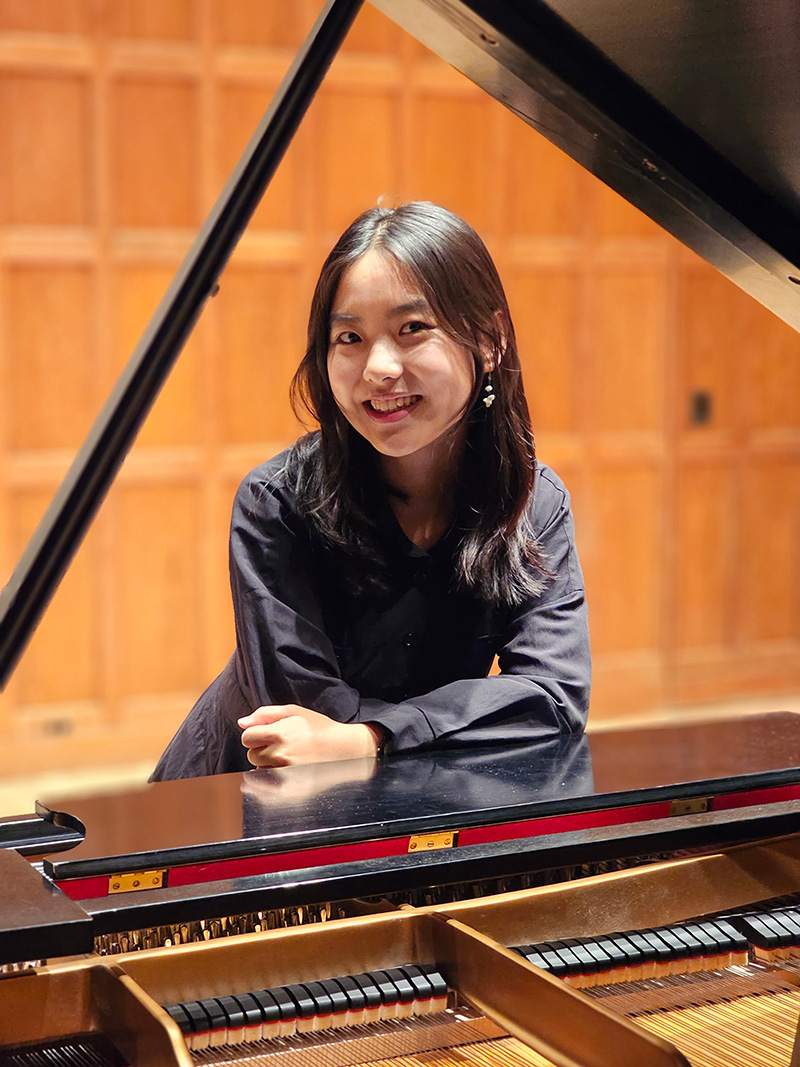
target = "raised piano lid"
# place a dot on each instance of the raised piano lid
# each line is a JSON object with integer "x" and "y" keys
{"x": 575, "y": 799}
{"x": 689, "y": 111}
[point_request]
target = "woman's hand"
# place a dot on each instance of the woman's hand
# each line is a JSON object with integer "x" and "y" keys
{"x": 284, "y": 734}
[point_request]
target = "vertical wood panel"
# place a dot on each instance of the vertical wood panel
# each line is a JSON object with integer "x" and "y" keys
{"x": 623, "y": 575}
{"x": 705, "y": 554}
{"x": 544, "y": 305}
{"x": 60, "y": 664}
{"x": 768, "y": 567}
{"x": 52, "y": 395}
{"x": 46, "y": 16}
{"x": 160, "y": 589}
{"x": 628, "y": 351}
{"x": 262, "y": 333}
{"x": 152, "y": 18}
{"x": 357, "y": 152}
{"x": 45, "y": 131}
{"x": 155, "y": 153}
{"x": 261, "y": 23}
{"x": 545, "y": 187}
{"x": 453, "y": 141}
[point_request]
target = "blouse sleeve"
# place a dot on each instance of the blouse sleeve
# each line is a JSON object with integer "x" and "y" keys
{"x": 288, "y": 658}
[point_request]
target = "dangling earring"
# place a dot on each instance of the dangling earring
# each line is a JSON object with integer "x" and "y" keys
{"x": 489, "y": 390}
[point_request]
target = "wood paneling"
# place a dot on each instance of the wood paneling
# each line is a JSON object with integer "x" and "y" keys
{"x": 666, "y": 399}
{"x": 52, "y": 396}
{"x": 155, "y": 146}
{"x": 45, "y": 130}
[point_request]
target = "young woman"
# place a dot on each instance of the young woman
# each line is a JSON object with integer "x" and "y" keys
{"x": 380, "y": 564}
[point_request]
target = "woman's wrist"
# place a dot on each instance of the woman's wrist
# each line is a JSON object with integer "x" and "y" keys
{"x": 378, "y": 738}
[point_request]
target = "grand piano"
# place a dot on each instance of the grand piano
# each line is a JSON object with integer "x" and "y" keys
{"x": 116, "y": 909}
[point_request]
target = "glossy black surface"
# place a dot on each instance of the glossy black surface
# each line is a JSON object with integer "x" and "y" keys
{"x": 689, "y": 111}
{"x": 36, "y": 920}
{"x": 361, "y": 800}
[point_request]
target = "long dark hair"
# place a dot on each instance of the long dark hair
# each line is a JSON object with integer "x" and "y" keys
{"x": 338, "y": 478}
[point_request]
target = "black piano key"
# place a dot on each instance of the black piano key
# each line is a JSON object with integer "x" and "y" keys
{"x": 356, "y": 997}
{"x": 692, "y": 946}
{"x": 435, "y": 977}
{"x": 200, "y": 1024}
{"x": 646, "y": 950}
{"x": 588, "y": 962}
{"x": 555, "y": 964}
{"x": 339, "y": 1000}
{"x": 405, "y": 988}
{"x": 666, "y": 951}
{"x": 421, "y": 983}
{"x": 372, "y": 995}
{"x": 178, "y": 1013}
{"x": 570, "y": 963}
{"x": 735, "y": 937}
{"x": 306, "y": 1008}
{"x": 674, "y": 944}
{"x": 532, "y": 954}
{"x": 251, "y": 1009}
{"x": 323, "y": 1004}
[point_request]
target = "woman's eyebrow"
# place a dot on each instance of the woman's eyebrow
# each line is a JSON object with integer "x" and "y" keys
{"x": 339, "y": 317}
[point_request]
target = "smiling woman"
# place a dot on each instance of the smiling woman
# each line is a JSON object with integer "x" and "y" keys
{"x": 380, "y": 565}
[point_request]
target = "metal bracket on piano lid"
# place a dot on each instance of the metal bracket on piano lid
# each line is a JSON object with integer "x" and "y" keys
{"x": 136, "y": 881}
{"x": 432, "y": 842}
{"x": 690, "y": 806}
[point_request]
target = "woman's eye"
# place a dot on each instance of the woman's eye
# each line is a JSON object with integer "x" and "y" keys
{"x": 348, "y": 337}
{"x": 414, "y": 327}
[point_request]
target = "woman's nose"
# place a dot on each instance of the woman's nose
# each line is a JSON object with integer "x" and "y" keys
{"x": 383, "y": 361}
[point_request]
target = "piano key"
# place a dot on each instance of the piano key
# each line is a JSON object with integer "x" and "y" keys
{"x": 178, "y": 1013}
{"x": 339, "y": 1001}
{"x": 199, "y": 1037}
{"x": 235, "y": 1019}
{"x": 305, "y": 1008}
{"x": 323, "y": 1005}
{"x": 356, "y": 1000}
{"x": 253, "y": 1018}
{"x": 437, "y": 980}
{"x": 372, "y": 1011}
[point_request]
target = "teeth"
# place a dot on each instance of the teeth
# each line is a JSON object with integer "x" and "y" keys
{"x": 393, "y": 405}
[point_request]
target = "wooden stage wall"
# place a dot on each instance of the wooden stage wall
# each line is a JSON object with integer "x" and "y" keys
{"x": 119, "y": 122}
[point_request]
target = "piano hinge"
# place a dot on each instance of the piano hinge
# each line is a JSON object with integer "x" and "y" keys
{"x": 136, "y": 880}
{"x": 430, "y": 842}
{"x": 690, "y": 806}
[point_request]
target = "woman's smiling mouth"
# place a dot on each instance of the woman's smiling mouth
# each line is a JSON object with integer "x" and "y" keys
{"x": 394, "y": 405}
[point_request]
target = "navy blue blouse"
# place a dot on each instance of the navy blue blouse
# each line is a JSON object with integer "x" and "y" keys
{"x": 413, "y": 661}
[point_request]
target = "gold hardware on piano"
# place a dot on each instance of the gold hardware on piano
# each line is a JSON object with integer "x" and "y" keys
{"x": 690, "y": 806}
{"x": 432, "y": 842}
{"x": 135, "y": 881}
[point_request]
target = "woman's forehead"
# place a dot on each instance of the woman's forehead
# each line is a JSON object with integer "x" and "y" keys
{"x": 377, "y": 279}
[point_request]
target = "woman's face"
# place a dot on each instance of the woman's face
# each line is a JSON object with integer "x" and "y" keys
{"x": 398, "y": 378}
